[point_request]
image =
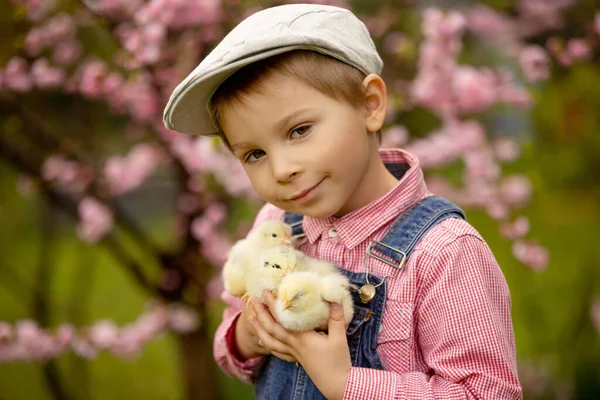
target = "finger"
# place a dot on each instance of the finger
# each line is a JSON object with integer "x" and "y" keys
{"x": 284, "y": 357}
{"x": 336, "y": 324}
{"x": 267, "y": 341}
{"x": 269, "y": 324}
{"x": 269, "y": 301}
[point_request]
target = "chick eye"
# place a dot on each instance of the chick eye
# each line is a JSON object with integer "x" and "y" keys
{"x": 277, "y": 266}
{"x": 296, "y": 297}
{"x": 266, "y": 263}
{"x": 274, "y": 234}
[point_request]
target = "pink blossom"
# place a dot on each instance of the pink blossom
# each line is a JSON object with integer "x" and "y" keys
{"x": 60, "y": 27}
{"x": 127, "y": 173}
{"x": 510, "y": 93}
{"x": 16, "y": 75}
{"x": 516, "y": 229}
{"x": 181, "y": 14}
{"x": 142, "y": 99}
{"x": 182, "y": 319}
{"x": 492, "y": 25}
{"x": 474, "y": 89}
{"x": 92, "y": 74}
{"x": 103, "y": 334}
{"x": 531, "y": 254}
{"x": 578, "y": 49}
{"x": 216, "y": 213}
{"x": 82, "y": 347}
{"x": 595, "y": 311}
{"x": 395, "y": 136}
{"x": 68, "y": 173}
{"x": 6, "y": 333}
{"x": 96, "y": 220}
{"x": 34, "y": 42}
{"x": 128, "y": 345}
{"x": 45, "y": 76}
{"x": 215, "y": 248}
{"x": 506, "y": 149}
{"x": 481, "y": 165}
{"x": 467, "y": 135}
{"x": 438, "y": 25}
{"x": 36, "y": 344}
{"x": 65, "y": 334}
{"x": 215, "y": 287}
{"x": 540, "y": 15}
{"x": 534, "y": 63}
{"x": 496, "y": 210}
{"x": 67, "y": 52}
{"x": 151, "y": 323}
{"x": 201, "y": 228}
{"x": 36, "y": 10}
{"x": 516, "y": 190}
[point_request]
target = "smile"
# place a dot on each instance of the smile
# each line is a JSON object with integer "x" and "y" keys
{"x": 307, "y": 194}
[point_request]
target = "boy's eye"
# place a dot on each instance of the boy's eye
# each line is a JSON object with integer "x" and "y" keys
{"x": 254, "y": 155}
{"x": 299, "y": 132}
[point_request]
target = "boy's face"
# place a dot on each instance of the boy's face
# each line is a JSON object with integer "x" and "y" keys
{"x": 303, "y": 151}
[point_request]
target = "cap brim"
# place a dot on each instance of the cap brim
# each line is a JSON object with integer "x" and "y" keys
{"x": 188, "y": 109}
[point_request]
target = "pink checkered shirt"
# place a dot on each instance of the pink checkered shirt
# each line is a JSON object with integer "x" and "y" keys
{"x": 446, "y": 330}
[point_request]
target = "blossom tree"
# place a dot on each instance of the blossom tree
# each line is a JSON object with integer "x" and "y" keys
{"x": 81, "y": 99}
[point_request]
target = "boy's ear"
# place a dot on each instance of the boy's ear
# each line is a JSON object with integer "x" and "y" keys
{"x": 376, "y": 106}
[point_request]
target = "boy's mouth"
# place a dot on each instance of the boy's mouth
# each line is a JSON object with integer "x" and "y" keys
{"x": 305, "y": 193}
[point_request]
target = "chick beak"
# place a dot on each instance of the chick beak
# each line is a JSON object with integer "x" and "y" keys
{"x": 286, "y": 241}
{"x": 286, "y": 304}
{"x": 288, "y": 269}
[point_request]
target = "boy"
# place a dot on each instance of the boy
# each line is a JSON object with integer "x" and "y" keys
{"x": 294, "y": 92}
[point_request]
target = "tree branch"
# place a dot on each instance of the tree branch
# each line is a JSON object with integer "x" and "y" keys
{"x": 22, "y": 164}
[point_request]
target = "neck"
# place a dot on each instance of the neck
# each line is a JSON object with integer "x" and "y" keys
{"x": 376, "y": 182}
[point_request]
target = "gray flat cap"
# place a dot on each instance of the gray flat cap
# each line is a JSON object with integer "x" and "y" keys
{"x": 330, "y": 30}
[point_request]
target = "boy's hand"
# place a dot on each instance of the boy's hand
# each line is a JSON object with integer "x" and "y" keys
{"x": 245, "y": 336}
{"x": 326, "y": 358}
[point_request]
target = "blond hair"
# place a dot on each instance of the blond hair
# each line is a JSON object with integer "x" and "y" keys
{"x": 332, "y": 77}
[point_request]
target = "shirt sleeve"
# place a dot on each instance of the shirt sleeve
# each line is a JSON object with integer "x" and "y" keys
{"x": 224, "y": 346}
{"x": 464, "y": 330}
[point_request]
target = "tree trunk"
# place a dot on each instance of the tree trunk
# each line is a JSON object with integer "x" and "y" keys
{"x": 198, "y": 367}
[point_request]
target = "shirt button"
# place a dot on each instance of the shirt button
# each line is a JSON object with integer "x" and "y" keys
{"x": 332, "y": 233}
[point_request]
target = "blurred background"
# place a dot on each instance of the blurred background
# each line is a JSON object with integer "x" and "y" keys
{"x": 114, "y": 229}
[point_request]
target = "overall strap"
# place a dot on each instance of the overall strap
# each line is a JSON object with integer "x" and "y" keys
{"x": 406, "y": 232}
{"x": 410, "y": 228}
{"x": 295, "y": 221}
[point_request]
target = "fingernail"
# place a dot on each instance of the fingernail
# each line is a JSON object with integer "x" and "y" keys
{"x": 251, "y": 320}
{"x": 336, "y": 306}
{"x": 260, "y": 343}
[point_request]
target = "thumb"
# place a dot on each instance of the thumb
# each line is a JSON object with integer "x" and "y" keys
{"x": 336, "y": 325}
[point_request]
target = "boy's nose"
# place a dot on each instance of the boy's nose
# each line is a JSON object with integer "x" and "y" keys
{"x": 285, "y": 170}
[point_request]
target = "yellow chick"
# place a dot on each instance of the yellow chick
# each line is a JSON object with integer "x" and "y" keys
{"x": 302, "y": 300}
{"x": 243, "y": 253}
{"x": 272, "y": 265}
{"x": 323, "y": 268}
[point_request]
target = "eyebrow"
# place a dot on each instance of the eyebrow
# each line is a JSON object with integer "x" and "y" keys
{"x": 285, "y": 121}
{"x": 279, "y": 125}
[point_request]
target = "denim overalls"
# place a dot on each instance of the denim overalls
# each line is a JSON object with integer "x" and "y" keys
{"x": 283, "y": 380}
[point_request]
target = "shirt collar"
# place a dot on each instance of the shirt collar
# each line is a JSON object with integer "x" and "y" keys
{"x": 356, "y": 226}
